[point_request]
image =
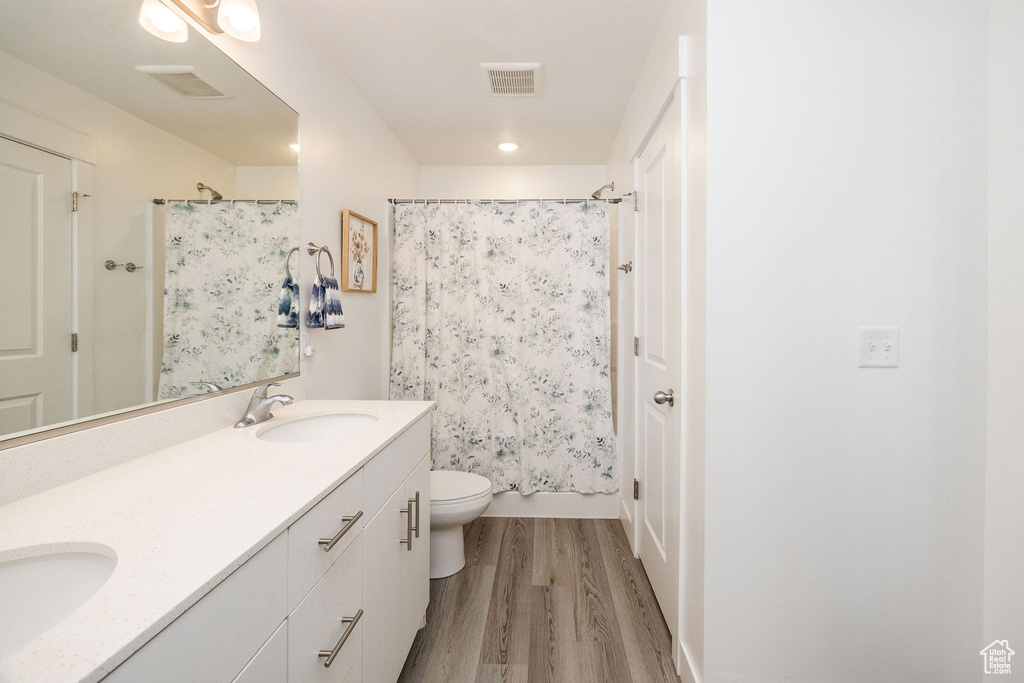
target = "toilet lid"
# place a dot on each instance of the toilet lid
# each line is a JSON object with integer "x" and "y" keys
{"x": 448, "y": 487}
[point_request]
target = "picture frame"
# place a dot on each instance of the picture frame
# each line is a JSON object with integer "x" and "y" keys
{"x": 358, "y": 253}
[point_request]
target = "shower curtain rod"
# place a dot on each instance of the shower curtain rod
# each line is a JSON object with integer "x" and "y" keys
{"x": 227, "y": 201}
{"x": 610, "y": 200}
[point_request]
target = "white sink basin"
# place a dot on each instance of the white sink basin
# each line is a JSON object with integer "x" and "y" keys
{"x": 316, "y": 427}
{"x": 38, "y": 592}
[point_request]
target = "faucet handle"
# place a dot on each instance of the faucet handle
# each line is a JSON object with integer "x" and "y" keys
{"x": 261, "y": 391}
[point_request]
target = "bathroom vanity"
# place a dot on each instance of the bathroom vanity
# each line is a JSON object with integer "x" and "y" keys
{"x": 243, "y": 559}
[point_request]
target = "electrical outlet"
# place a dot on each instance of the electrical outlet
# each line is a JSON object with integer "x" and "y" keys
{"x": 879, "y": 347}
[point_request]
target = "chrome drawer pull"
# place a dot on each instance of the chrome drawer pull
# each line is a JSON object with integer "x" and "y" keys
{"x": 329, "y": 543}
{"x": 331, "y": 654}
{"x": 417, "y": 501}
{"x": 408, "y": 528}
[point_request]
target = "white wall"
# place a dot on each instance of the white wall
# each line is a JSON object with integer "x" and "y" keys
{"x": 1004, "y": 513}
{"x": 668, "y": 59}
{"x": 266, "y": 182}
{"x": 349, "y": 160}
{"x": 124, "y": 184}
{"x": 510, "y": 182}
{"x": 846, "y": 187}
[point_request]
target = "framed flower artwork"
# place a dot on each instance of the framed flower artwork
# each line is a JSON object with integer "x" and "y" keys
{"x": 358, "y": 253}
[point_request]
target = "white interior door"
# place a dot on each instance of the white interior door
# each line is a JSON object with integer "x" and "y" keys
{"x": 659, "y": 312}
{"x": 36, "y": 281}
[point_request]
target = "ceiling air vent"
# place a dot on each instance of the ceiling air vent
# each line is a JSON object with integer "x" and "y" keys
{"x": 520, "y": 79}
{"x": 185, "y": 81}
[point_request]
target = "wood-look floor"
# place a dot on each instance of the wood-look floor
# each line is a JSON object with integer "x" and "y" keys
{"x": 546, "y": 600}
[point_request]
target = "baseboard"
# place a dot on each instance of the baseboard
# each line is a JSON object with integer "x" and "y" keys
{"x": 566, "y": 505}
{"x": 686, "y": 672}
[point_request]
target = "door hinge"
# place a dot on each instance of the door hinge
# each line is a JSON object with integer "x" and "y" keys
{"x": 636, "y": 346}
{"x": 74, "y": 201}
{"x": 636, "y": 200}
{"x": 636, "y": 489}
{"x": 74, "y": 342}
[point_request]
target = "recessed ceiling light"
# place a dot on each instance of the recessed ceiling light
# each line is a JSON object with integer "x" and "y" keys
{"x": 295, "y": 146}
{"x": 508, "y": 147}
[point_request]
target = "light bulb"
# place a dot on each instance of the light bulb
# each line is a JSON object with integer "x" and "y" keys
{"x": 240, "y": 19}
{"x": 508, "y": 147}
{"x": 163, "y": 23}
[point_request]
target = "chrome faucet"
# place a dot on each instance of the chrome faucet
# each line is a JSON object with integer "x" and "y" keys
{"x": 260, "y": 404}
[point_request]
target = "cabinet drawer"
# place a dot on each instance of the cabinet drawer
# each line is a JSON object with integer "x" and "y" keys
{"x": 307, "y": 560}
{"x": 270, "y": 665}
{"x": 316, "y": 624}
{"x": 215, "y": 638}
{"x": 389, "y": 468}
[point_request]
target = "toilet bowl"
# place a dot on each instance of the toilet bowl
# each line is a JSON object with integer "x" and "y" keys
{"x": 456, "y": 498}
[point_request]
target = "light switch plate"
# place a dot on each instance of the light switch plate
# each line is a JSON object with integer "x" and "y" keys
{"x": 879, "y": 347}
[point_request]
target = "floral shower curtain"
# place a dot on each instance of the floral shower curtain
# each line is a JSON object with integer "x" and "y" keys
{"x": 225, "y": 267}
{"x": 501, "y": 315}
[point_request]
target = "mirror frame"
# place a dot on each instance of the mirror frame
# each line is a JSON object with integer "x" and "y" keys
{"x": 110, "y": 418}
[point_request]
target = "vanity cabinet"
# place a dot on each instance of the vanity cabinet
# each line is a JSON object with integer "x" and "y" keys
{"x": 360, "y": 600}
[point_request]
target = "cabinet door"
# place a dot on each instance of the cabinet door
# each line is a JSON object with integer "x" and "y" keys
{"x": 384, "y": 596}
{"x": 417, "y": 567}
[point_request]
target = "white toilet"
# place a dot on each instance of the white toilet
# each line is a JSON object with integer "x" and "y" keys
{"x": 456, "y": 498}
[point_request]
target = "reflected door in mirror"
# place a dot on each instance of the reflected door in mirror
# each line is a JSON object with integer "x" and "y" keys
{"x": 35, "y": 288}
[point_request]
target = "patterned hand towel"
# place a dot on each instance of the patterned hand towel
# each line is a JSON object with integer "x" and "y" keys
{"x": 316, "y": 306}
{"x": 334, "y": 317}
{"x": 288, "y": 306}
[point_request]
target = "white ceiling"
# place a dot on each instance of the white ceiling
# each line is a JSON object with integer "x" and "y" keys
{"x": 96, "y": 46}
{"x": 418, "y": 64}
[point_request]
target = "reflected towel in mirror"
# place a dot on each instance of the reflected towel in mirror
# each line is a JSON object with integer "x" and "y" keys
{"x": 288, "y": 306}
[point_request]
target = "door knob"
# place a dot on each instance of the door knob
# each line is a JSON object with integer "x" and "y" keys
{"x": 665, "y": 397}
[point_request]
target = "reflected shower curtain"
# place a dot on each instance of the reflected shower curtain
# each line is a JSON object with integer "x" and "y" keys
{"x": 225, "y": 265}
{"x": 501, "y": 315}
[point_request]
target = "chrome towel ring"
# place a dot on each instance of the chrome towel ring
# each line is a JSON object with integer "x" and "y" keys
{"x": 312, "y": 249}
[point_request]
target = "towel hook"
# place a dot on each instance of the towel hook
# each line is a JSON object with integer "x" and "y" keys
{"x": 287, "y": 259}
{"x": 312, "y": 249}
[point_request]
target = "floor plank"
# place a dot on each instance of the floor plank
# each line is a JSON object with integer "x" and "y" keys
{"x": 551, "y": 563}
{"x": 483, "y": 540}
{"x": 507, "y": 633}
{"x": 645, "y": 636}
{"x": 543, "y": 601}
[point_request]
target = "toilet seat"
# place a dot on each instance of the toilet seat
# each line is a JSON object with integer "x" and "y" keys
{"x": 450, "y": 488}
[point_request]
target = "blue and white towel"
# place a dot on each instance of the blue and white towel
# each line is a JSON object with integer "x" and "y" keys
{"x": 288, "y": 306}
{"x": 315, "y": 318}
{"x": 334, "y": 317}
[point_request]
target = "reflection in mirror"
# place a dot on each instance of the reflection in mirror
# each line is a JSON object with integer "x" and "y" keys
{"x": 127, "y": 280}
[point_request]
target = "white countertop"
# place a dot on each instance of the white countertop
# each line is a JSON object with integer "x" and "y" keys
{"x": 180, "y": 520}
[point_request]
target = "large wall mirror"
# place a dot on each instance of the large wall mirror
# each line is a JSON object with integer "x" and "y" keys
{"x": 124, "y": 284}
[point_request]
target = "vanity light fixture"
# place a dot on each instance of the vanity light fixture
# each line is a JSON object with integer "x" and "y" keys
{"x": 238, "y": 18}
{"x": 162, "y": 22}
{"x": 508, "y": 147}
